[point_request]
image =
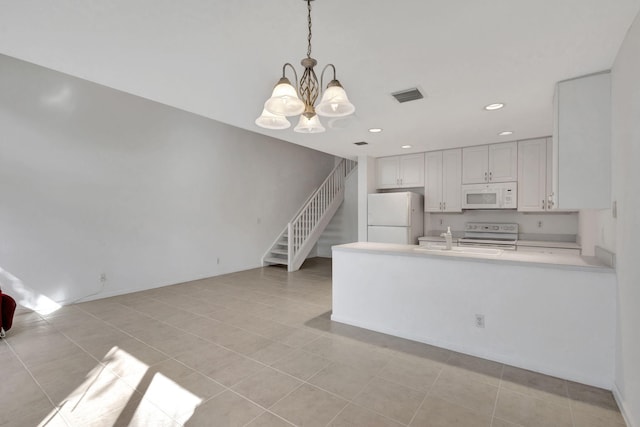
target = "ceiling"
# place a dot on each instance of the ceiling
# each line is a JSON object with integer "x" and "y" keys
{"x": 221, "y": 58}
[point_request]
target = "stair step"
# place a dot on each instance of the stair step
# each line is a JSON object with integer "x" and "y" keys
{"x": 275, "y": 260}
{"x": 280, "y": 251}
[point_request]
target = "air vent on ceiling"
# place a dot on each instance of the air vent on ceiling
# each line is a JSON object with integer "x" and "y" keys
{"x": 407, "y": 95}
{"x": 361, "y": 143}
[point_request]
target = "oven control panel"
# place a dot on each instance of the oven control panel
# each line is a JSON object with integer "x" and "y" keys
{"x": 490, "y": 227}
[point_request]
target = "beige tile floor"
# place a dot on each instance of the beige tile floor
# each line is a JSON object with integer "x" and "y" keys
{"x": 257, "y": 348}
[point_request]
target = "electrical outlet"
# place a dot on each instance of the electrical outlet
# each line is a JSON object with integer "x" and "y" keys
{"x": 218, "y": 261}
{"x": 479, "y": 320}
{"x": 103, "y": 277}
{"x": 259, "y": 220}
{"x": 614, "y": 209}
{"x": 440, "y": 221}
{"x": 539, "y": 224}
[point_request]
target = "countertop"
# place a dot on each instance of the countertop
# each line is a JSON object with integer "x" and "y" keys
{"x": 506, "y": 257}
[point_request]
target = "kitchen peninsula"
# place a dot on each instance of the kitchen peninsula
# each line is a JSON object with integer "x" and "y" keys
{"x": 549, "y": 313}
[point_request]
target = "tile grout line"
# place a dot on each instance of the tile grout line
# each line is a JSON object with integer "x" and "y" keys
{"x": 362, "y": 389}
{"x": 105, "y": 366}
{"x": 54, "y": 405}
{"x": 133, "y": 388}
{"x": 237, "y": 353}
{"x": 265, "y": 365}
{"x": 495, "y": 404}
{"x": 169, "y": 357}
{"x": 430, "y": 389}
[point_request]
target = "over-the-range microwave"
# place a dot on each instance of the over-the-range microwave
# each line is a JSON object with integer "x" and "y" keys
{"x": 502, "y": 195}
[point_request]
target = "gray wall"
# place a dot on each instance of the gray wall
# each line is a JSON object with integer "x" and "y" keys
{"x": 95, "y": 181}
{"x": 626, "y": 177}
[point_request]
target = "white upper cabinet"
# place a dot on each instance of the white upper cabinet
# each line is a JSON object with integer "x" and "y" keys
{"x": 387, "y": 172}
{"x": 490, "y": 163}
{"x": 452, "y": 180}
{"x": 400, "y": 171}
{"x": 433, "y": 181}
{"x": 475, "y": 164}
{"x": 582, "y": 143}
{"x": 443, "y": 178}
{"x": 534, "y": 171}
{"x": 503, "y": 162}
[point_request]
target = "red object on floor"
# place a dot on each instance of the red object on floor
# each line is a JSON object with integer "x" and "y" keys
{"x": 7, "y": 309}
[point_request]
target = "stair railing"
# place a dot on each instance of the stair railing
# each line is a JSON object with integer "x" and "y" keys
{"x": 304, "y": 223}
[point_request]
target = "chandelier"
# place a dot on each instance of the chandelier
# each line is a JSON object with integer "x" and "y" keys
{"x": 287, "y": 100}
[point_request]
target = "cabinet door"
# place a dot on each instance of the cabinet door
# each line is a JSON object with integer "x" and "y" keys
{"x": 503, "y": 162}
{"x": 452, "y": 180}
{"x": 433, "y": 182}
{"x": 532, "y": 175}
{"x": 583, "y": 137}
{"x": 387, "y": 172}
{"x": 475, "y": 165}
{"x": 412, "y": 170}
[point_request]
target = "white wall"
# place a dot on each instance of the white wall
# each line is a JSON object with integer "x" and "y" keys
{"x": 95, "y": 181}
{"x": 366, "y": 185}
{"x": 626, "y": 177}
{"x": 343, "y": 227}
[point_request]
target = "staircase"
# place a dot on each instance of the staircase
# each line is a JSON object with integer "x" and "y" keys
{"x": 300, "y": 235}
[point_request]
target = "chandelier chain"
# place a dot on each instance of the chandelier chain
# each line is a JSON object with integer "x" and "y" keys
{"x": 309, "y": 36}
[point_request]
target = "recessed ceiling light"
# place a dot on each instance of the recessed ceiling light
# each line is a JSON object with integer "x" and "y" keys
{"x": 505, "y": 133}
{"x": 406, "y": 146}
{"x": 375, "y": 130}
{"x": 496, "y": 106}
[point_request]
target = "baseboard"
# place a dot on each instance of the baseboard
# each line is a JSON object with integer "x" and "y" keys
{"x": 625, "y": 414}
{"x": 123, "y": 291}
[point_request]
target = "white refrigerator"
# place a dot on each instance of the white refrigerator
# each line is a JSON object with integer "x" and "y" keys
{"x": 395, "y": 217}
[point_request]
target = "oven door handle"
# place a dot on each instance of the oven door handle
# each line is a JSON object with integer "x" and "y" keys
{"x": 487, "y": 245}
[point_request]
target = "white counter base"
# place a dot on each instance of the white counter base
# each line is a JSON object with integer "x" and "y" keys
{"x": 556, "y": 321}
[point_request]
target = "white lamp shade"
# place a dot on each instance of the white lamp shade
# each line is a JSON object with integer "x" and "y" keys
{"x": 284, "y": 101}
{"x": 272, "y": 121}
{"x": 335, "y": 103}
{"x": 311, "y": 125}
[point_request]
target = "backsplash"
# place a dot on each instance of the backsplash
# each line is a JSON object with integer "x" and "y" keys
{"x": 535, "y": 226}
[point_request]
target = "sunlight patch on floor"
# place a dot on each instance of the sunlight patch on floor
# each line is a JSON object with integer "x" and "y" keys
{"x": 123, "y": 390}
